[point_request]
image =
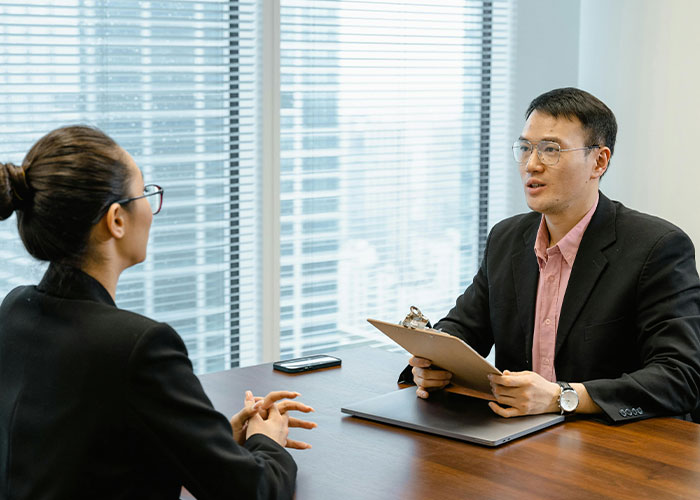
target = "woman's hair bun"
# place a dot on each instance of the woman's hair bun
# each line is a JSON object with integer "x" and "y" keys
{"x": 14, "y": 190}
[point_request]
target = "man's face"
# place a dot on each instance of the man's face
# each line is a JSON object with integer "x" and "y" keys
{"x": 568, "y": 188}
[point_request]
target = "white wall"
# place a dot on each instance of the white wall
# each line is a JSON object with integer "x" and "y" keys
{"x": 641, "y": 58}
{"x": 545, "y": 30}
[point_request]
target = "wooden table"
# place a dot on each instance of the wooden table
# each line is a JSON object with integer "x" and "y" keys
{"x": 353, "y": 458}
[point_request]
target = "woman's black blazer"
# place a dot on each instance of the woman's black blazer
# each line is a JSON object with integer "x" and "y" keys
{"x": 98, "y": 402}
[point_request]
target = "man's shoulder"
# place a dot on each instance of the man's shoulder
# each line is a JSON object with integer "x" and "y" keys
{"x": 635, "y": 224}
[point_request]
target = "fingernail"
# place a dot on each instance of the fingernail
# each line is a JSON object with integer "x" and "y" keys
{"x": 490, "y": 376}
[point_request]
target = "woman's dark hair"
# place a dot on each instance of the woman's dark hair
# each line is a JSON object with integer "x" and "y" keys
{"x": 65, "y": 184}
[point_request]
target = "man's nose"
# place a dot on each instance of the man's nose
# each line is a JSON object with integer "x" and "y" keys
{"x": 534, "y": 164}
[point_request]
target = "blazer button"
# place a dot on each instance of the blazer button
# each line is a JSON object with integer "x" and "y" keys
{"x": 640, "y": 411}
{"x": 623, "y": 413}
{"x": 628, "y": 412}
{"x": 635, "y": 412}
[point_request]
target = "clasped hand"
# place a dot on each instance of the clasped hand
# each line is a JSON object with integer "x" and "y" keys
{"x": 516, "y": 393}
{"x": 269, "y": 416}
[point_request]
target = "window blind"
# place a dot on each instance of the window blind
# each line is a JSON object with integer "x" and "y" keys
{"x": 175, "y": 84}
{"x": 393, "y": 119}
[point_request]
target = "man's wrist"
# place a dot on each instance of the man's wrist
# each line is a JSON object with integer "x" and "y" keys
{"x": 568, "y": 399}
{"x": 554, "y": 404}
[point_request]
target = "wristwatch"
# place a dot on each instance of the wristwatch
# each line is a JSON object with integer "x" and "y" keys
{"x": 568, "y": 399}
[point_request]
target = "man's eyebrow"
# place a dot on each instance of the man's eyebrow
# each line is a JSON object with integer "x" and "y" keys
{"x": 549, "y": 138}
{"x": 552, "y": 139}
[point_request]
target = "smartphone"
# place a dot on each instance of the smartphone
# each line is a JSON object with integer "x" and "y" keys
{"x": 306, "y": 363}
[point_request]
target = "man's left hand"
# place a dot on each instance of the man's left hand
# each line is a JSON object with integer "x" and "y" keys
{"x": 526, "y": 393}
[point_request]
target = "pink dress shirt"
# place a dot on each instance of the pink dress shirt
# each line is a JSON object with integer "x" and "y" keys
{"x": 555, "y": 265}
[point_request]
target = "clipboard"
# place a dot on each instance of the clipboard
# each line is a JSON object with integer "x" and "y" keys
{"x": 469, "y": 369}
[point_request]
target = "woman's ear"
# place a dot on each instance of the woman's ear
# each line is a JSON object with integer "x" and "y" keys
{"x": 114, "y": 221}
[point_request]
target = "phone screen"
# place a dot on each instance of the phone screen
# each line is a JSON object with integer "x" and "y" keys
{"x": 306, "y": 363}
{"x": 298, "y": 363}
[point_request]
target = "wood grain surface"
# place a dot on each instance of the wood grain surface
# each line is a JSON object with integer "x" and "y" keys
{"x": 353, "y": 458}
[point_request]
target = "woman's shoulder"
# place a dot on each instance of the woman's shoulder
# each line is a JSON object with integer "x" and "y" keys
{"x": 88, "y": 323}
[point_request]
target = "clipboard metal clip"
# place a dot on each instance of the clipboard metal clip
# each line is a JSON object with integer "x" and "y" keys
{"x": 415, "y": 319}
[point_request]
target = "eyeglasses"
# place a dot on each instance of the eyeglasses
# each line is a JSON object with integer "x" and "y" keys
{"x": 154, "y": 195}
{"x": 547, "y": 151}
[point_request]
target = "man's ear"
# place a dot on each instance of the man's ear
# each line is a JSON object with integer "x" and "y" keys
{"x": 601, "y": 162}
{"x": 114, "y": 221}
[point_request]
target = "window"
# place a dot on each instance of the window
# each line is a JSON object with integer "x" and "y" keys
{"x": 166, "y": 80}
{"x": 389, "y": 108}
{"x": 390, "y": 112}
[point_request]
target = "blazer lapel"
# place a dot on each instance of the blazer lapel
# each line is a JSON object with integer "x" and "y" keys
{"x": 589, "y": 264}
{"x": 525, "y": 277}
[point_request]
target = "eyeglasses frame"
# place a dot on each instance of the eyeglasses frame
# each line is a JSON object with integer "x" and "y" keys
{"x": 159, "y": 191}
{"x": 540, "y": 153}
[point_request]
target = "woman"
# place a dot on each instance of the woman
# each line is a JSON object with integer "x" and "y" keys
{"x": 98, "y": 402}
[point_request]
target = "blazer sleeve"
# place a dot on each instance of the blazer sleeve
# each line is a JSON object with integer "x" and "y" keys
{"x": 668, "y": 342}
{"x": 168, "y": 404}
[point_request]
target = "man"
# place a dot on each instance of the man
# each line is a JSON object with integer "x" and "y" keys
{"x": 592, "y": 307}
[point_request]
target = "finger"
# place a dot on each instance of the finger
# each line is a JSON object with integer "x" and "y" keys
{"x": 437, "y": 375}
{"x": 516, "y": 374}
{"x": 504, "y": 412}
{"x": 432, "y": 374}
{"x": 505, "y": 390}
{"x": 422, "y": 393}
{"x": 286, "y": 406}
{"x": 428, "y": 383}
{"x": 274, "y": 413}
{"x": 419, "y": 362}
{"x": 507, "y": 399}
{"x": 249, "y": 400}
{"x": 508, "y": 380}
{"x": 275, "y": 396}
{"x": 304, "y": 424}
{"x": 432, "y": 386}
{"x": 245, "y": 414}
{"x": 256, "y": 417}
{"x": 297, "y": 445}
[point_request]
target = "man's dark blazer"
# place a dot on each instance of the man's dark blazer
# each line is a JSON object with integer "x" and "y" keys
{"x": 629, "y": 327}
{"x": 97, "y": 402}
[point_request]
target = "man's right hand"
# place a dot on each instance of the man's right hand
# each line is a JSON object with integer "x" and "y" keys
{"x": 426, "y": 378}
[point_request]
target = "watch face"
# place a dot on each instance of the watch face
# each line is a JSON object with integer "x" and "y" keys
{"x": 569, "y": 400}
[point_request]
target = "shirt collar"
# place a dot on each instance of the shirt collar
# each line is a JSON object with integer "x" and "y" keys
{"x": 72, "y": 283}
{"x": 568, "y": 245}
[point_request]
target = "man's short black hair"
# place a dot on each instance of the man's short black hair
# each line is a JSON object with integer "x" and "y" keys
{"x": 598, "y": 121}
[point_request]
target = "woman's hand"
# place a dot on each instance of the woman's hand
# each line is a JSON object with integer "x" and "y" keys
{"x": 239, "y": 422}
{"x": 269, "y": 416}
